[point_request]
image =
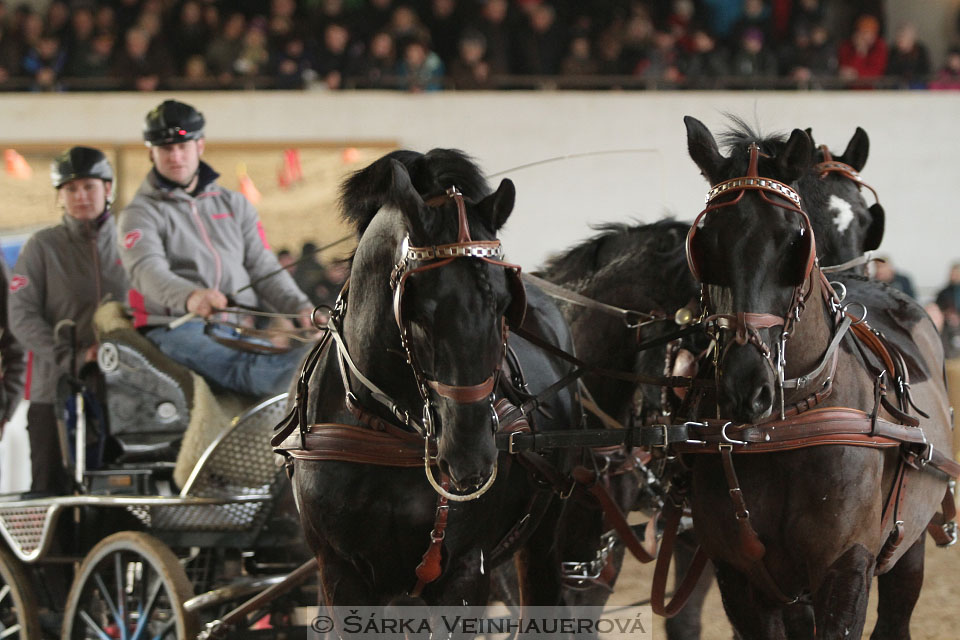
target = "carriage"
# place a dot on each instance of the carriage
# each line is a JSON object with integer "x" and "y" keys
{"x": 189, "y": 515}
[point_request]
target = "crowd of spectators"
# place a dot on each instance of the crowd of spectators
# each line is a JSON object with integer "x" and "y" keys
{"x": 424, "y": 45}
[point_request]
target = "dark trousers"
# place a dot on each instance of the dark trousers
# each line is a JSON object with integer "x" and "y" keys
{"x": 49, "y": 475}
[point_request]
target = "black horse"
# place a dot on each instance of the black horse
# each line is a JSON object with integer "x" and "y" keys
{"x": 813, "y": 522}
{"x": 423, "y": 322}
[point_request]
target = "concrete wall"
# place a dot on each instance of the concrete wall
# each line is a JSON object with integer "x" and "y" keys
{"x": 641, "y": 171}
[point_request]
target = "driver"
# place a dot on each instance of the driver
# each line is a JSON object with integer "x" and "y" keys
{"x": 187, "y": 243}
{"x": 64, "y": 272}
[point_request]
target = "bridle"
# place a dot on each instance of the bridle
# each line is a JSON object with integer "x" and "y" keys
{"x": 829, "y": 165}
{"x": 435, "y": 257}
{"x": 746, "y": 326}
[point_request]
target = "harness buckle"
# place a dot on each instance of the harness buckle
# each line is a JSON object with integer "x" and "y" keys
{"x": 510, "y": 444}
{"x": 726, "y": 439}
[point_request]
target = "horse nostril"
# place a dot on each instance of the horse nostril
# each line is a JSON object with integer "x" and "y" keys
{"x": 762, "y": 399}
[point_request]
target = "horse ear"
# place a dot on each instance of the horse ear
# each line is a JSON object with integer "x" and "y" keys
{"x": 796, "y": 156}
{"x": 407, "y": 199}
{"x": 874, "y": 235}
{"x": 703, "y": 149}
{"x": 857, "y": 150}
{"x": 809, "y": 132}
{"x": 497, "y": 206}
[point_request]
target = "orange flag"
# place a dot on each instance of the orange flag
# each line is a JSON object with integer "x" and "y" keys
{"x": 17, "y": 165}
{"x": 247, "y": 188}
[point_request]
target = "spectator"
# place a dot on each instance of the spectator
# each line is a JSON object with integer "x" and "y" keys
{"x": 864, "y": 55}
{"x": 495, "y": 25}
{"x": 756, "y": 16}
{"x": 292, "y": 64}
{"x": 309, "y": 274}
{"x": 254, "y": 56}
{"x": 664, "y": 61}
{"x": 190, "y": 36}
{"x": 883, "y": 271}
{"x": 810, "y": 56}
{"x": 226, "y": 48}
{"x": 334, "y": 60}
{"x": 79, "y": 39}
{"x": 679, "y": 22}
{"x": 637, "y": 43}
{"x": 542, "y": 44}
{"x": 948, "y": 298}
{"x": 445, "y": 22}
{"x": 378, "y": 66}
{"x": 196, "y": 76}
{"x": 406, "y": 25}
{"x": 579, "y": 60}
{"x": 752, "y": 59}
{"x": 948, "y": 78}
{"x": 9, "y": 55}
{"x": 706, "y": 63}
{"x": 908, "y": 59}
{"x": 140, "y": 65}
{"x": 57, "y": 21}
{"x": 722, "y": 16}
{"x": 806, "y": 14}
{"x": 106, "y": 20}
{"x": 420, "y": 69}
{"x": 470, "y": 70}
{"x": 97, "y": 61}
{"x": 609, "y": 50}
{"x": 44, "y": 63}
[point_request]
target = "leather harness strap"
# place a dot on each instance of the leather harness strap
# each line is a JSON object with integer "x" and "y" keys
{"x": 643, "y": 550}
{"x": 673, "y": 512}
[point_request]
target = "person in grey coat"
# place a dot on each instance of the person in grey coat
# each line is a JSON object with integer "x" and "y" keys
{"x": 63, "y": 273}
{"x": 187, "y": 243}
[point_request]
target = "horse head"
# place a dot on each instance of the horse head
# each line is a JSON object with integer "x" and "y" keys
{"x": 452, "y": 297}
{"x": 752, "y": 249}
{"x": 846, "y": 226}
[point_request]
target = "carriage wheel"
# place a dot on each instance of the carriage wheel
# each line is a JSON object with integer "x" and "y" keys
{"x": 18, "y": 604}
{"x": 129, "y": 586}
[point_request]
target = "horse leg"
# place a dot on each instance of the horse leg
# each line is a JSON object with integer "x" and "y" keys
{"x": 539, "y": 560}
{"x": 752, "y": 615}
{"x": 898, "y": 590}
{"x": 686, "y": 624}
{"x": 840, "y": 600}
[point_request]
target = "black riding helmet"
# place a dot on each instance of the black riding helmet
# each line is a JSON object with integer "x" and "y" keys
{"x": 80, "y": 162}
{"x": 172, "y": 122}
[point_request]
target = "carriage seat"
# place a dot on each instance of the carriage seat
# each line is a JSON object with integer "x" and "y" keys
{"x": 158, "y": 409}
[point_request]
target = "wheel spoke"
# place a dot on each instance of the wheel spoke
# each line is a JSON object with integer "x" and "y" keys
{"x": 93, "y": 626}
{"x": 9, "y": 631}
{"x": 108, "y": 600}
{"x": 4, "y": 592}
{"x": 147, "y": 611}
{"x": 121, "y": 595}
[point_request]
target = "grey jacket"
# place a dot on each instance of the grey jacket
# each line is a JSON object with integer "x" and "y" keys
{"x": 63, "y": 272}
{"x": 172, "y": 243}
{"x": 12, "y": 360}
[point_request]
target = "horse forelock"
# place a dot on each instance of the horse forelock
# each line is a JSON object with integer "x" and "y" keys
{"x": 738, "y": 137}
{"x": 365, "y": 192}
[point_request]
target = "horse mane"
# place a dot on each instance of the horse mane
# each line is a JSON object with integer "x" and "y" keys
{"x": 365, "y": 191}
{"x": 624, "y": 249}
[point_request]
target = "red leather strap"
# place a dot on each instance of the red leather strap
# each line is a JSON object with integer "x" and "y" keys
{"x": 644, "y": 551}
{"x": 431, "y": 566}
{"x": 686, "y": 586}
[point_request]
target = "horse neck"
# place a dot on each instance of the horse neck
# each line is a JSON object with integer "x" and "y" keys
{"x": 811, "y": 335}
